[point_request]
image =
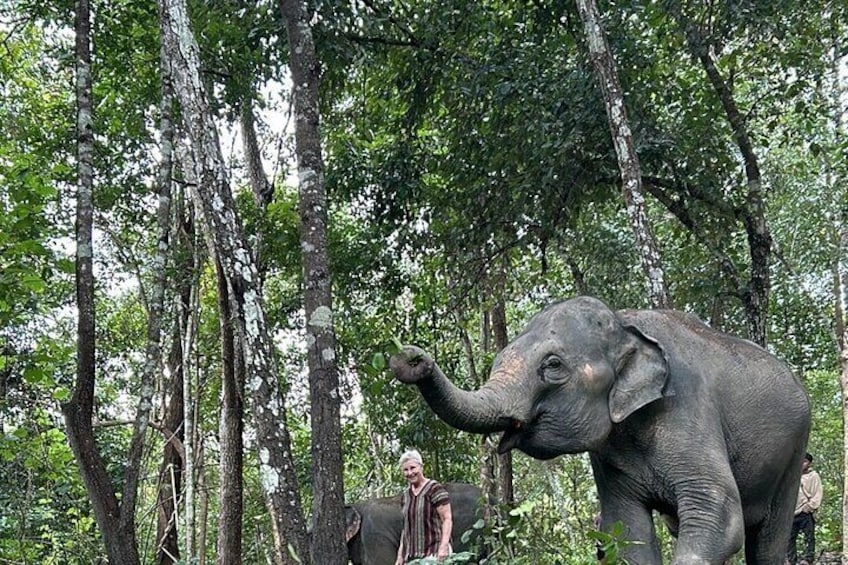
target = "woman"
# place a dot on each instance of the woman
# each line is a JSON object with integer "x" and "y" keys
{"x": 427, "y": 520}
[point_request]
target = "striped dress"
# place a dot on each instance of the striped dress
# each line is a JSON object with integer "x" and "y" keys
{"x": 422, "y": 527}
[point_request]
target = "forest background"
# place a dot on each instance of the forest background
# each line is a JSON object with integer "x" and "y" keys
{"x": 160, "y": 186}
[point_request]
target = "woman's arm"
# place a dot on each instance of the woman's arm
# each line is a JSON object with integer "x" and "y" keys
{"x": 446, "y": 516}
{"x": 399, "y": 559}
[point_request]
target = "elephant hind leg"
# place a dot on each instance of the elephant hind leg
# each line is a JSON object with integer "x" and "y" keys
{"x": 766, "y": 542}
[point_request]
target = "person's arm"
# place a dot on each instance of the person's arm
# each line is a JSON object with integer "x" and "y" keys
{"x": 446, "y": 516}
{"x": 401, "y": 552}
{"x": 399, "y": 559}
{"x": 816, "y": 493}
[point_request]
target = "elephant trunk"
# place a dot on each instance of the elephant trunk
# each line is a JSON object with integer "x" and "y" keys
{"x": 499, "y": 405}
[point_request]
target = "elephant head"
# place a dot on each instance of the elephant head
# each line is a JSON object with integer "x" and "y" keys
{"x": 353, "y": 521}
{"x": 559, "y": 387}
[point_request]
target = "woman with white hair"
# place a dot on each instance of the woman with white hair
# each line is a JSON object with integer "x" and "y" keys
{"x": 427, "y": 520}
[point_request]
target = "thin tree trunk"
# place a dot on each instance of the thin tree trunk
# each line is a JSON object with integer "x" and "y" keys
{"x": 277, "y": 469}
{"x": 172, "y": 468}
{"x": 120, "y": 544}
{"x": 488, "y": 447}
{"x": 841, "y": 300}
{"x": 203, "y": 506}
{"x": 754, "y": 294}
{"x": 187, "y": 333}
{"x": 488, "y": 465}
{"x": 505, "y": 474}
{"x": 756, "y": 297}
{"x": 155, "y": 307}
{"x": 328, "y": 539}
{"x": 263, "y": 191}
{"x": 230, "y": 429}
{"x": 628, "y": 160}
{"x": 840, "y": 309}
{"x": 836, "y": 182}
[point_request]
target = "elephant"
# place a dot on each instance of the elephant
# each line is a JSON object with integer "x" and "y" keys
{"x": 700, "y": 426}
{"x": 373, "y": 526}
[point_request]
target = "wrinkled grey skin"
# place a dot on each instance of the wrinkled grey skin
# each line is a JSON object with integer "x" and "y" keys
{"x": 679, "y": 418}
{"x": 374, "y": 526}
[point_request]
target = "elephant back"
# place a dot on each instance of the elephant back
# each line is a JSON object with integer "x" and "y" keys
{"x": 380, "y": 529}
{"x": 382, "y": 522}
{"x": 466, "y": 509}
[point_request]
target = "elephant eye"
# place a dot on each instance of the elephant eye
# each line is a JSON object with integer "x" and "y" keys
{"x": 552, "y": 369}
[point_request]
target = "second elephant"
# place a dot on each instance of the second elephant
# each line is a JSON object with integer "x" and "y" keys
{"x": 373, "y": 526}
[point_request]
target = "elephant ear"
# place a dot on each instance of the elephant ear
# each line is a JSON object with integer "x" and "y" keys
{"x": 641, "y": 374}
{"x": 353, "y": 520}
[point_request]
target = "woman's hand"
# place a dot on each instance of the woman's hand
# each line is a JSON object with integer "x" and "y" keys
{"x": 444, "y": 552}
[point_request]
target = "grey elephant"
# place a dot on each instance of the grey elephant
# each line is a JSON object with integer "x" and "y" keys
{"x": 373, "y": 526}
{"x": 703, "y": 427}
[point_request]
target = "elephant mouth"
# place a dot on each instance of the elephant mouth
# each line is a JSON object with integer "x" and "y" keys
{"x": 512, "y": 436}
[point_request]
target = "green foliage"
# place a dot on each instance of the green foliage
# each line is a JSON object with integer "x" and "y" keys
{"x": 468, "y": 162}
{"x": 238, "y": 50}
{"x": 46, "y": 517}
{"x": 610, "y": 544}
{"x": 827, "y": 447}
{"x": 532, "y": 532}
{"x": 29, "y": 262}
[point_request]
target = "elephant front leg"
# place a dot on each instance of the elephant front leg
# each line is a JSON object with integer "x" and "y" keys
{"x": 712, "y": 526}
{"x": 640, "y": 540}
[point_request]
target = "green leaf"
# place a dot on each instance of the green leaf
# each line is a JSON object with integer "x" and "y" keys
{"x": 33, "y": 283}
{"x": 33, "y": 375}
{"x": 61, "y": 394}
{"x": 378, "y": 361}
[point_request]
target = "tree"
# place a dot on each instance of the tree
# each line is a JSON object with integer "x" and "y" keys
{"x": 628, "y": 160}
{"x": 835, "y": 175}
{"x": 231, "y": 249}
{"x": 755, "y": 296}
{"x": 328, "y": 536}
{"x": 117, "y": 523}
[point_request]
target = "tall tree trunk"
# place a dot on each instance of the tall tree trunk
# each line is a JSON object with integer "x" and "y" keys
{"x": 488, "y": 449}
{"x": 155, "y": 307}
{"x": 203, "y": 506}
{"x": 836, "y": 181}
{"x": 277, "y": 469}
{"x": 841, "y": 296}
{"x": 167, "y": 542}
{"x": 841, "y": 328}
{"x": 187, "y": 333}
{"x": 328, "y": 540}
{"x": 230, "y": 428}
{"x": 754, "y": 294}
{"x": 628, "y": 160}
{"x": 172, "y": 467}
{"x": 78, "y": 411}
{"x": 499, "y": 330}
{"x": 263, "y": 190}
